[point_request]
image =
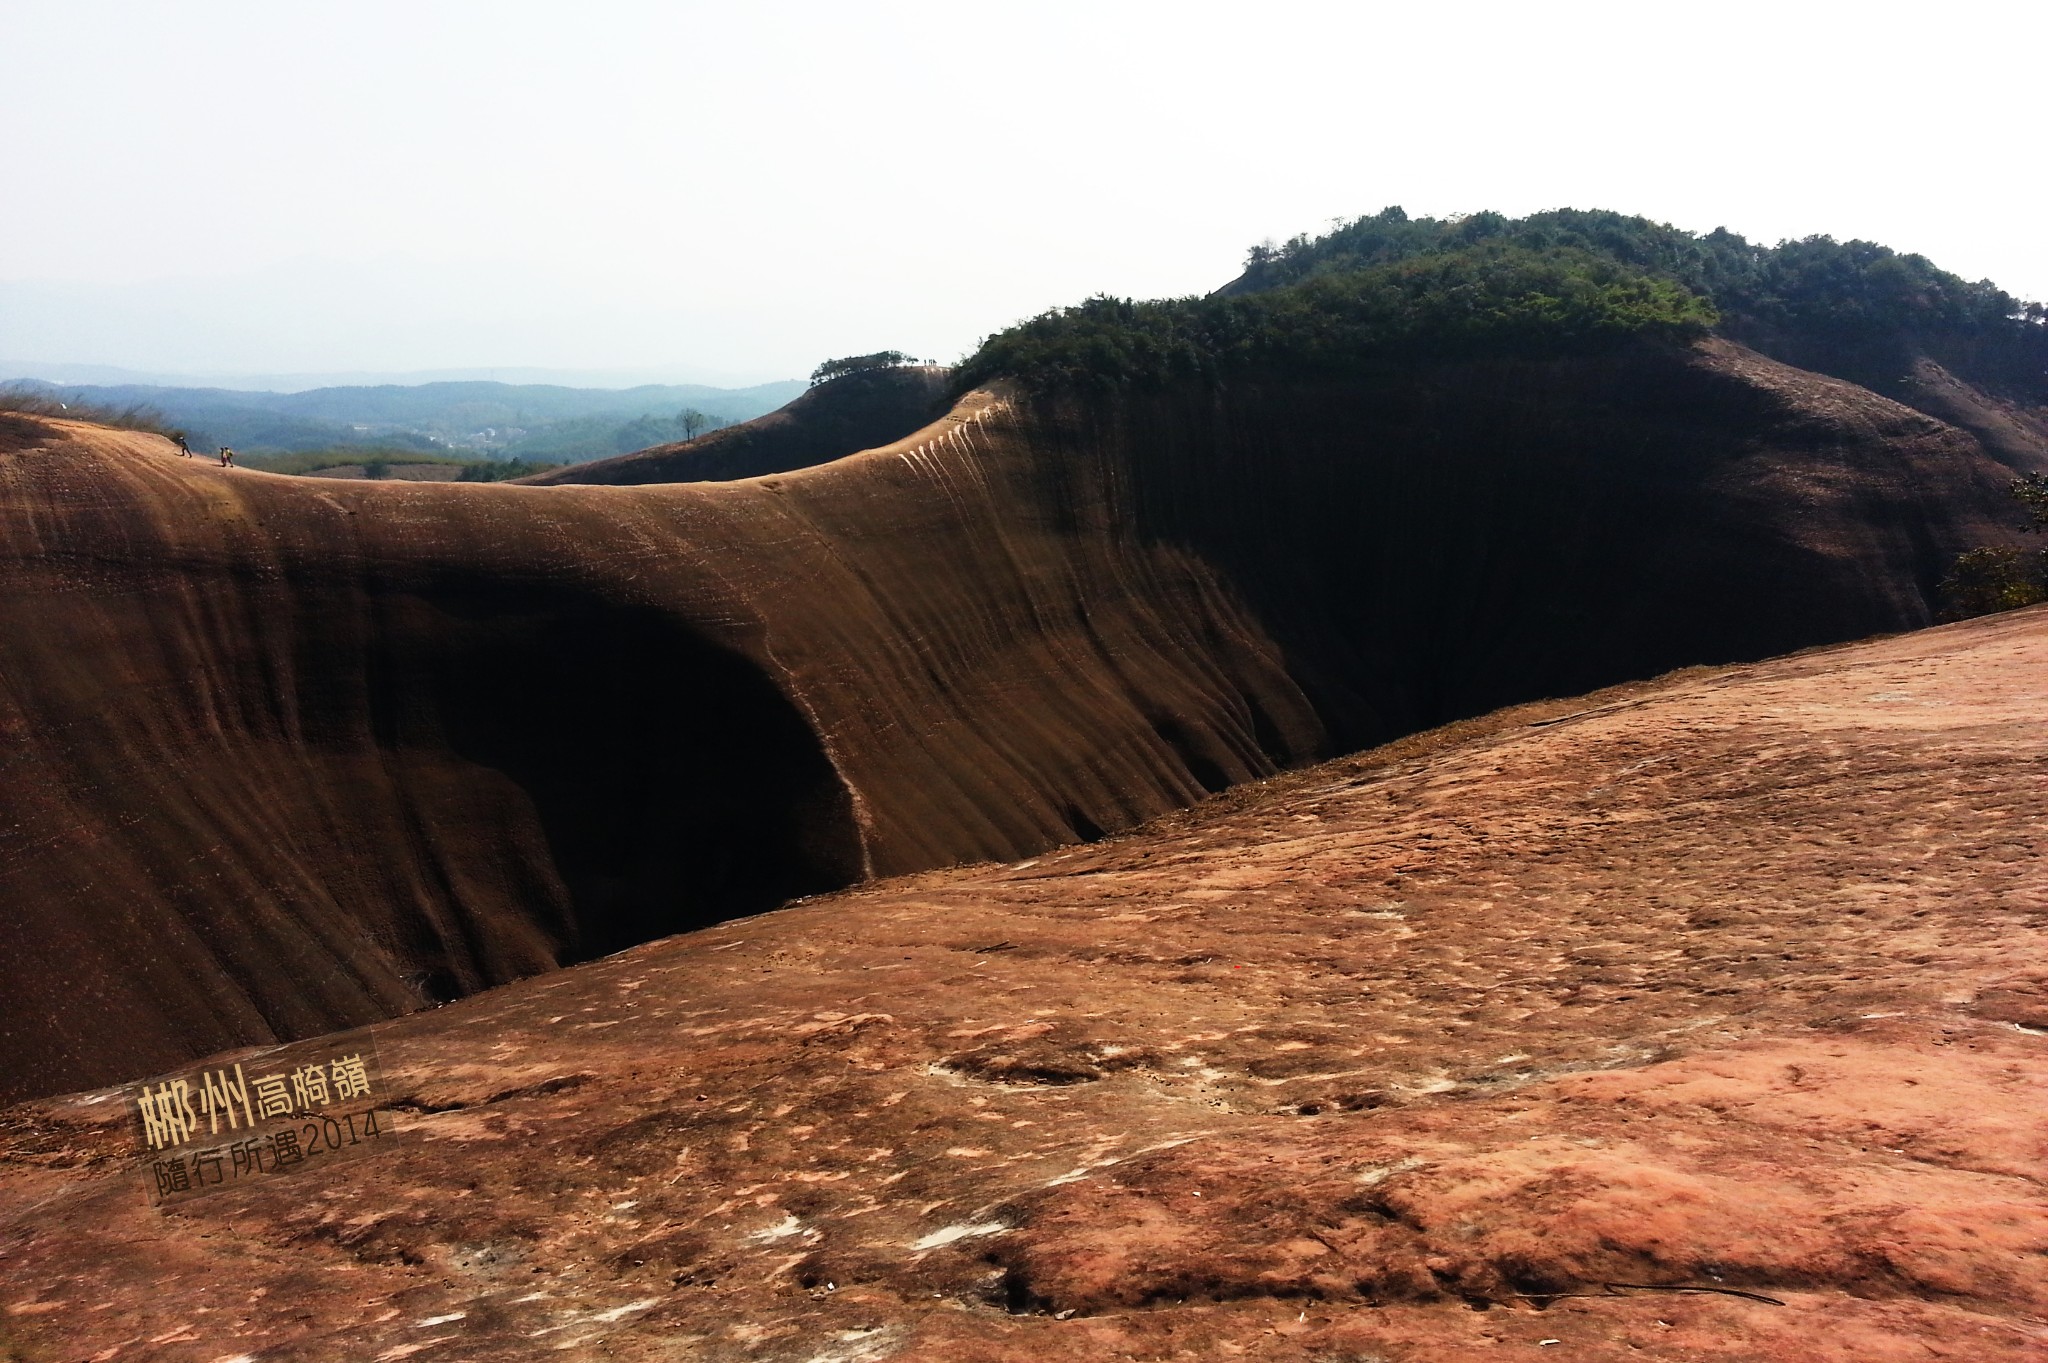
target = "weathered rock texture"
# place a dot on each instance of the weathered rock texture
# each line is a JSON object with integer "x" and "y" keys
{"x": 856, "y": 412}
{"x": 292, "y": 755}
{"x": 289, "y": 755}
{"x": 2011, "y": 431}
{"x": 1563, "y": 1028}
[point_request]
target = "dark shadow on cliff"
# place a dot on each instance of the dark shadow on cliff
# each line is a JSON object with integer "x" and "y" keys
{"x": 675, "y": 785}
{"x": 1429, "y": 542}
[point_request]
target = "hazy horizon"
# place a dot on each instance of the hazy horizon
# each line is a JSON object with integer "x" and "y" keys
{"x": 727, "y": 196}
{"x": 66, "y": 375}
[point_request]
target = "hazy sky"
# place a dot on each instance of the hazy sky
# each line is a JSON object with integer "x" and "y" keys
{"x": 743, "y": 189}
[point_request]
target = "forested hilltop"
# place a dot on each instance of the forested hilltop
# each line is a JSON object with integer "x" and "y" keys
{"x": 1849, "y": 307}
{"x": 1562, "y": 282}
{"x": 1475, "y": 302}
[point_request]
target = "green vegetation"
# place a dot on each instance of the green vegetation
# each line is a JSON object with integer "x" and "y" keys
{"x": 1815, "y": 282}
{"x": 649, "y": 431}
{"x": 579, "y": 439}
{"x": 1816, "y": 295}
{"x": 498, "y": 470}
{"x": 378, "y": 463}
{"x": 1987, "y": 580}
{"x": 1487, "y": 300}
{"x": 854, "y": 364}
{"x": 2031, "y": 492}
{"x": 313, "y": 461}
{"x": 1551, "y": 283}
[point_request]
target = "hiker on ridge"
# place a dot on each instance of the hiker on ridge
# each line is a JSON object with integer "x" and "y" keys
{"x": 227, "y": 457}
{"x": 183, "y": 448}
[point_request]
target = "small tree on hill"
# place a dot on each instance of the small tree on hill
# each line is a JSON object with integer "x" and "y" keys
{"x": 1987, "y": 580}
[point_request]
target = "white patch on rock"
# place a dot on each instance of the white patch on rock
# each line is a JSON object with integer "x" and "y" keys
{"x": 781, "y": 1230}
{"x": 1380, "y": 1173}
{"x": 949, "y": 1234}
{"x": 618, "y": 1313}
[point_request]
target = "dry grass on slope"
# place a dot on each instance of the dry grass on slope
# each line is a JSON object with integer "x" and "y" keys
{"x": 17, "y": 403}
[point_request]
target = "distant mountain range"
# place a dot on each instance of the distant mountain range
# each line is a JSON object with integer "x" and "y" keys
{"x": 531, "y": 420}
{"x": 65, "y": 373}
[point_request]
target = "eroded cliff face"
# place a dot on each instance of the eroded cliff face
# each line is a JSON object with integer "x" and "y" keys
{"x": 1429, "y": 543}
{"x": 288, "y": 755}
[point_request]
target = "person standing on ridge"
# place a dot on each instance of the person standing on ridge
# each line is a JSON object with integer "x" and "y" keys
{"x": 227, "y": 457}
{"x": 183, "y": 448}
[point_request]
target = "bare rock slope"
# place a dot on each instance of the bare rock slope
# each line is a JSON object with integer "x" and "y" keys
{"x": 855, "y": 412}
{"x": 289, "y": 755}
{"x": 1702, "y": 1019}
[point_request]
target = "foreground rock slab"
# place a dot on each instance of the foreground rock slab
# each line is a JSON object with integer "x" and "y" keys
{"x": 1700, "y": 1019}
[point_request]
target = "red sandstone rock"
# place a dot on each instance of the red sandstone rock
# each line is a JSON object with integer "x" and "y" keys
{"x": 288, "y": 755}
{"x": 1686, "y": 1021}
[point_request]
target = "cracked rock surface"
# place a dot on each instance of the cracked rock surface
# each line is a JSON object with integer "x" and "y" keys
{"x": 1700, "y": 1019}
